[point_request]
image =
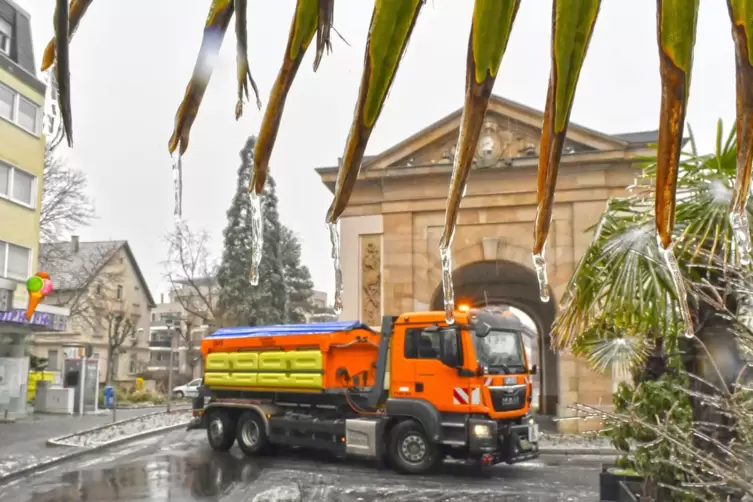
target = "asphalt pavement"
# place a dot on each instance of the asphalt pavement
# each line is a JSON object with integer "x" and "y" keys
{"x": 180, "y": 466}
{"x": 24, "y": 442}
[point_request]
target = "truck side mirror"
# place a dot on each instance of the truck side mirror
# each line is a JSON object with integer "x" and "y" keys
{"x": 450, "y": 354}
{"x": 534, "y": 369}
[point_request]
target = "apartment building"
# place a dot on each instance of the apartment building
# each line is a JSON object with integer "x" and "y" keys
{"x": 172, "y": 332}
{"x": 22, "y": 153}
{"x": 109, "y": 302}
{"x": 178, "y": 326}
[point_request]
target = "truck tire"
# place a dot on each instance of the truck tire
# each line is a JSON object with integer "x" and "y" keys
{"x": 410, "y": 450}
{"x": 220, "y": 430}
{"x": 251, "y": 433}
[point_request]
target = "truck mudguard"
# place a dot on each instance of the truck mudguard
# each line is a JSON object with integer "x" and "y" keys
{"x": 421, "y": 410}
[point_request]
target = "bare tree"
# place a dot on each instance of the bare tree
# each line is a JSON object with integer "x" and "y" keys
{"x": 65, "y": 204}
{"x": 79, "y": 278}
{"x": 120, "y": 328}
{"x": 191, "y": 270}
{"x": 90, "y": 286}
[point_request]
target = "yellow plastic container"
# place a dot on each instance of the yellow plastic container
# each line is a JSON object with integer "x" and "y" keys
{"x": 34, "y": 377}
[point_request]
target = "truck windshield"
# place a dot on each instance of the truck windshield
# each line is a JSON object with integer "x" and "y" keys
{"x": 501, "y": 350}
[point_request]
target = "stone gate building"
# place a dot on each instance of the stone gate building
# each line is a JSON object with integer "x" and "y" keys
{"x": 390, "y": 232}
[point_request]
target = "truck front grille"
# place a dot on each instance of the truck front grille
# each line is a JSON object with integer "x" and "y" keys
{"x": 508, "y": 399}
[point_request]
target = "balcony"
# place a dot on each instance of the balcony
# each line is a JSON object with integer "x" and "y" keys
{"x": 159, "y": 344}
{"x": 161, "y": 366}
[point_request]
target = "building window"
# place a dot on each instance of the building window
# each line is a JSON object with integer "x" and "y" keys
{"x": 52, "y": 360}
{"x": 6, "y": 33}
{"x": 27, "y": 114}
{"x": 23, "y": 187}
{"x": 15, "y": 261}
{"x": 119, "y": 292}
{"x": 17, "y": 185}
{"x": 21, "y": 111}
{"x": 133, "y": 364}
{"x": 7, "y": 101}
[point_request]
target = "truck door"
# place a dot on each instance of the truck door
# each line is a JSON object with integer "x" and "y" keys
{"x": 436, "y": 355}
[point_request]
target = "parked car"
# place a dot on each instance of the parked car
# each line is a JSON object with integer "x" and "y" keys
{"x": 191, "y": 389}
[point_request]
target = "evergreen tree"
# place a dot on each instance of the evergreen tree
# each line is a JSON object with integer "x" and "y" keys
{"x": 297, "y": 278}
{"x": 272, "y": 294}
{"x": 237, "y": 295}
{"x": 243, "y": 303}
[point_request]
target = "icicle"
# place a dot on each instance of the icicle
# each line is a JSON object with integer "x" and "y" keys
{"x": 741, "y": 230}
{"x": 177, "y": 186}
{"x": 539, "y": 263}
{"x": 448, "y": 290}
{"x": 334, "y": 239}
{"x": 677, "y": 281}
{"x": 257, "y": 237}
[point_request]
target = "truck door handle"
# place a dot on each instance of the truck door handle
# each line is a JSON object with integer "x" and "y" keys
{"x": 419, "y": 386}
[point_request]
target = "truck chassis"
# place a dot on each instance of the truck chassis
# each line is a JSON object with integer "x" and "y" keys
{"x": 410, "y": 435}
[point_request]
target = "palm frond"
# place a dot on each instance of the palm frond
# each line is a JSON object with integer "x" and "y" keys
{"x": 605, "y": 349}
{"x": 621, "y": 290}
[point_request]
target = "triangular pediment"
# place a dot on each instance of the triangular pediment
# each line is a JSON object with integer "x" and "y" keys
{"x": 510, "y": 131}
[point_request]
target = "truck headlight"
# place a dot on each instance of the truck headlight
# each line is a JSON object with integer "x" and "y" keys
{"x": 481, "y": 431}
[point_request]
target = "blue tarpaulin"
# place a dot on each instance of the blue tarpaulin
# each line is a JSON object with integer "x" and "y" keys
{"x": 321, "y": 328}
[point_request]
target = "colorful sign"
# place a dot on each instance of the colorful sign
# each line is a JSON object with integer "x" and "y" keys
{"x": 38, "y": 287}
{"x": 54, "y": 322}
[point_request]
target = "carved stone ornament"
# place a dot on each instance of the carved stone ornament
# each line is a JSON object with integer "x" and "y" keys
{"x": 497, "y": 146}
{"x": 371, "y": 279}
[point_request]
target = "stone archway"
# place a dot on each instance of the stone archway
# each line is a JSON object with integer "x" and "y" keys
{"x": 391, "y": 230}
{"x": 504, "y": 282}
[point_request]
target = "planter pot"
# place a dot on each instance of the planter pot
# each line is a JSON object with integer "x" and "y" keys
{"x": 630, "y": 491}
{"x": 609, "y": 483}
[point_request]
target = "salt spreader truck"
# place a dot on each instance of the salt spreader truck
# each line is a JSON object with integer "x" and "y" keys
{"x": 409, "y": 396}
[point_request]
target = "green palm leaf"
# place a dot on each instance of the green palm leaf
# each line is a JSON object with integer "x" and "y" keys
{"x": 621, "y": 294}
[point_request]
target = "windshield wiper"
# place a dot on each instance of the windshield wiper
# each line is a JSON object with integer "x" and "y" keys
{"x": 501, "y": 366}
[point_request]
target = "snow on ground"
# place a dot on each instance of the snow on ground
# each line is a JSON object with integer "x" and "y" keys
{"x": 128, "y": 428}
{"x": 574, "y": 442}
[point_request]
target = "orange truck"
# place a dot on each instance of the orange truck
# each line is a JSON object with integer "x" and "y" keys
{"x": 409, "y": 396}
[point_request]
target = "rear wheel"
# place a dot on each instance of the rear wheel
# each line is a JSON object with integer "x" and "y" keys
{"x": 410, "y": 449}
{"x": 220, "y": 430}
{"x": 251, "y": 433}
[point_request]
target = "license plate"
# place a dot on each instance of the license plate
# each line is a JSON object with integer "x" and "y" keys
{"x": 533, "y": 433}
{"x": 509, "y": 400}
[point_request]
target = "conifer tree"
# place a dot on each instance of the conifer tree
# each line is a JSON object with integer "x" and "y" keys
{"x": 300, "y": 287}
{"x": 244, "y": 303}
{"x": 237, "y": 295}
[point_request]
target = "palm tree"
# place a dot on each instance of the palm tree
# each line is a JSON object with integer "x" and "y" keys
{"x": 621, "y": 310}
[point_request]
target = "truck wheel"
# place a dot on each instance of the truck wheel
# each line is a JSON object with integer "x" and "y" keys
{"x": 220, "y": 430}
{"x": 251, "y": 433}
{"x": 410, "y": 449}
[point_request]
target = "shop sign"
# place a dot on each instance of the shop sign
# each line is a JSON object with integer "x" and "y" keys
{"x": 54, "y": 322}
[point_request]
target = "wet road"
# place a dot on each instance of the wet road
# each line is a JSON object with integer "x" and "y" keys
{"x": 181, "y": 467}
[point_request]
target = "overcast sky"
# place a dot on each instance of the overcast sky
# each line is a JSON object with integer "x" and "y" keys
{"x": 131, "y": 61}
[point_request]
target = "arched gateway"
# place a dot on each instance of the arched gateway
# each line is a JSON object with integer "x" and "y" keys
{"x": 390, "y": 232}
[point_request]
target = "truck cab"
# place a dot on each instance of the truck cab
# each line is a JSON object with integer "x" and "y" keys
{"x": 474, "y": 377}
{"x": 415, "y": 392}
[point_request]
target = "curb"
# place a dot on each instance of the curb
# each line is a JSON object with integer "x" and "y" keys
{"x": 148, "y": 406}
{"x": 606, "y": 452}
{"x": 81, "y": 451}
{"x": 59, "y": 441}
